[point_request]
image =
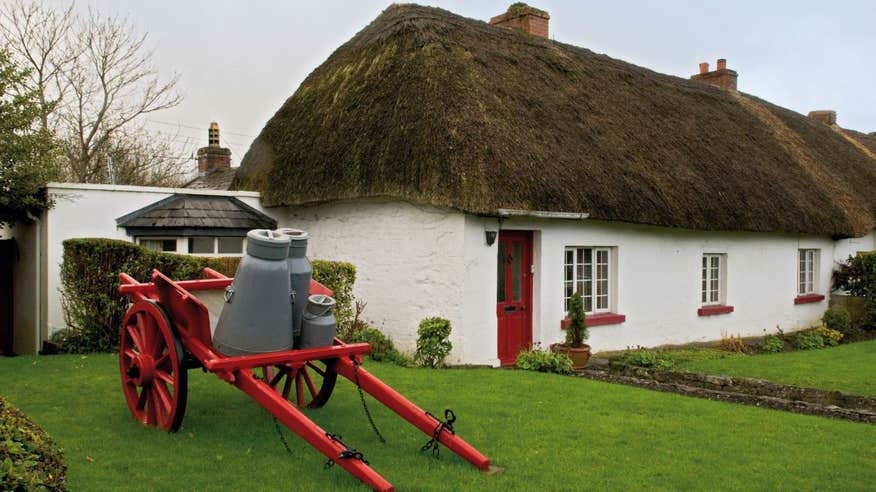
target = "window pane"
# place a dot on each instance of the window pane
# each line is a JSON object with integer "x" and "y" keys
{"x": 230, "y": 245}
{"x": 168, "y": 245}
{"x": 500, "y": 274}
{"x": 151, "y": 244}
{"x": 570, "y": 256}
{"x": 516, "y": 273}
{"x": 201, "y": 245}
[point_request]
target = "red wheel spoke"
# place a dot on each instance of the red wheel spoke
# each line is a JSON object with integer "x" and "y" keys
{"x": 299, "y": 388}
{"x": 164, "y": 359}
{"x": 150, "y": 407}
{"x": 164, "y": 398}
{"x": 309, "y": 381}
{"x": 141, "y": 400}
{"x": 316, "y": 368}
{"x": 167, "y": 378}
{"x": 287, "y": 386}
{"x": 130, "y": 353}
{"x": 135, "y": 336}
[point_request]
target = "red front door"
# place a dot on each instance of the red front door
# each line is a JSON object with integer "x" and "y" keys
{"x": 514, "y": 294}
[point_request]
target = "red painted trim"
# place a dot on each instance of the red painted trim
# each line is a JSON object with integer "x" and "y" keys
{"x": 713, "y": 310}
{"x": 806, "y": 299}
{"x": 598, "y": 320}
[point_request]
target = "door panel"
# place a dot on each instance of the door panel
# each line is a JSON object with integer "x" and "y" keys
{"x": 514, "y": 294}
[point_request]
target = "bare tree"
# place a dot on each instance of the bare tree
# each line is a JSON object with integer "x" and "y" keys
{"x": 134, "y": 156}
{"x": 96, "y": 78}
{"x": 37, "y": 38}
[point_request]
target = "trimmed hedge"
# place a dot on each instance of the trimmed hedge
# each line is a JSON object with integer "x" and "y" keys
{"x": 29, "y": 458}
{"x": 93, "y": 308}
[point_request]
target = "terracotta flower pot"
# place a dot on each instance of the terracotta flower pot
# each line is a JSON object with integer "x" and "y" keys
{"x": 579, "y": 355}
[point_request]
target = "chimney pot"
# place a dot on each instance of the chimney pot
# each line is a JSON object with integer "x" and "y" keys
{"x": 524, "y": 18}
{"x": 213, "y": 156}
{"x": 721, "y": 77}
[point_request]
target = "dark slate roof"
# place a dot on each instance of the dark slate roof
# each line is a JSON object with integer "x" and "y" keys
{"x": 196, "y": 214}
{"x": 427, "y": 106}
{"x": 220, "y": 179}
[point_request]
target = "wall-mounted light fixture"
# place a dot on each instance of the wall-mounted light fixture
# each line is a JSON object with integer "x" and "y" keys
{"x": 491, "y": 237}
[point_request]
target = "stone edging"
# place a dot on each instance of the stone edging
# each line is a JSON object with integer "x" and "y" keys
{"x": 747, "y": 391}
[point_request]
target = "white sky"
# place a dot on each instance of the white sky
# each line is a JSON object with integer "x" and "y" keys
{"x": 240, "y": 60}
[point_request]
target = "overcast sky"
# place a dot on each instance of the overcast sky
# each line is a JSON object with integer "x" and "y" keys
{"x": 239, "y": 60}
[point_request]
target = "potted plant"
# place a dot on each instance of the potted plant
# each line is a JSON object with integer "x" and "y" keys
{"x": 576, "y": 334}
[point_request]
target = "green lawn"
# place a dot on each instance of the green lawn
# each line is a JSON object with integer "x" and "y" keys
{"x": 549, "y": 432}
{"x": 850, "y": 368}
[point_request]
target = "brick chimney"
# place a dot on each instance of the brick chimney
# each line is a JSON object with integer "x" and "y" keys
{"x": 721, "y": 77}
{"x": 213, "y": 157}
{"x": 825, "y": 116}
{"x": 524, "y": 18}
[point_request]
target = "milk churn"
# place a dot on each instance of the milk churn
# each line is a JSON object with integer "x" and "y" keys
{"x": 257, "y": 312}
{"x": 318, "y": 325}
{"x": 300, "y": 273}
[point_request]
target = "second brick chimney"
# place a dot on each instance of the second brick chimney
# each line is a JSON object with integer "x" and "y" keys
{"x": 825, "y": 116}
{"x": 524, "y": 18}
{"x": 213, "y": 157}
{"x": 721, "y": 77}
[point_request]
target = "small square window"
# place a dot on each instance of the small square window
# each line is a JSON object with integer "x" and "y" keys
{"x": 201, "y": 245}
{"x": 166, "y": 245}
{"x": 230, "y": 245}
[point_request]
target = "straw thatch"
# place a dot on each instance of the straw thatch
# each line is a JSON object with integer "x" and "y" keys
{"x": 431, "y": 107}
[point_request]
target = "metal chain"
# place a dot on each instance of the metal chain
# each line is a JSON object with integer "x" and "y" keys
{"x": 362, "y": 397}
{"x": 282, "y": 437}
{"x": 447, "y": 425}
{"x": 346, "y": 454}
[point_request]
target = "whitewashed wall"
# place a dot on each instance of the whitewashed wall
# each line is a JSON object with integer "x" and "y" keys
{"x": 91, "y": 211}
{"x": 657, "y": 282}
{"x": 850, "y": 247}
{"x": 409, "y": 261}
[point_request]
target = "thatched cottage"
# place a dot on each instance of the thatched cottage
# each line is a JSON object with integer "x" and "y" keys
{"x": 484, "y": 173}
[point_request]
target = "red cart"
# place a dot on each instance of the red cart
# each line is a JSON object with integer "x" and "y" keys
{"x": 166, "y": 331}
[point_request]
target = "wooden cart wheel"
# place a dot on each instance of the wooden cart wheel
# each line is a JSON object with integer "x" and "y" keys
{"x": 309, "y": 385}
{"x": 150, "y": 358}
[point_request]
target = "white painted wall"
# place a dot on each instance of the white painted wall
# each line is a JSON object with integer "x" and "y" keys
{"x": 852, "y": 246}
{"x": 409, "y": 261}
{"x": 91, "y": 211}
{"x": 657, "y": 281}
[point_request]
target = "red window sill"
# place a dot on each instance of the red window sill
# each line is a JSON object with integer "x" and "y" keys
{"x": 808, "y": 299}
{"x": 598, "y": 320}
{"x": 713, "y": 310}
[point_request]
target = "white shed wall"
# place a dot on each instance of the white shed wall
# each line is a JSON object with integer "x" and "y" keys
{"x": 409, "y": 262}
{"x": 91, "y": 211}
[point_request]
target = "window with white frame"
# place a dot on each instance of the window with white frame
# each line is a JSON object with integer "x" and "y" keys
{"x": 807, "y": 271}
{"x": 713, "y": 279}
{"x": 588, "y": 271}
{"x": 208, "y": 245}
{"x": 158, "y": 244}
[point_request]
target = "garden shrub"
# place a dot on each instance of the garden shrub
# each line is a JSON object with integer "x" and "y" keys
{"x": 831, "y": 337}
{"x": 809, "y": 340}
{"x": 536, "y": 359}
{"x": 382, "y": 348}
{"x": 29, "y": 458}
{"x": 838, "y": 319}
{"x": 735, "y": 344}
{"x": 646, "y": 358}
{"x": 339, "y": 276}
{"x": 772, "y": 344}
{"x": 432, "y": 343}
{"x": 93, "y": 308}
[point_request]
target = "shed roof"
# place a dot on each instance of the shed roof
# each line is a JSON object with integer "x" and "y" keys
{"x": 431, "y": 107}
{"x": 197, "y": 214}
{"x": 218, "y": 179}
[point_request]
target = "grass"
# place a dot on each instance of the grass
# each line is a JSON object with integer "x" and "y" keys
{"x": 549, "y": 432}
{"x": 850, "y": 367}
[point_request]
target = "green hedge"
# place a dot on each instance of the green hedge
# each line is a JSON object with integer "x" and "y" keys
{"x": 93, "y": 308}
{"x": 29, "y": 458}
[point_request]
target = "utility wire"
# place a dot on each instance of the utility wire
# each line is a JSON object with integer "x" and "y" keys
{"x": 197, "y": 127}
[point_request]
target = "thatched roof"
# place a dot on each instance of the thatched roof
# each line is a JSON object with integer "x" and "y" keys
{"x": 431, "y": 107}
